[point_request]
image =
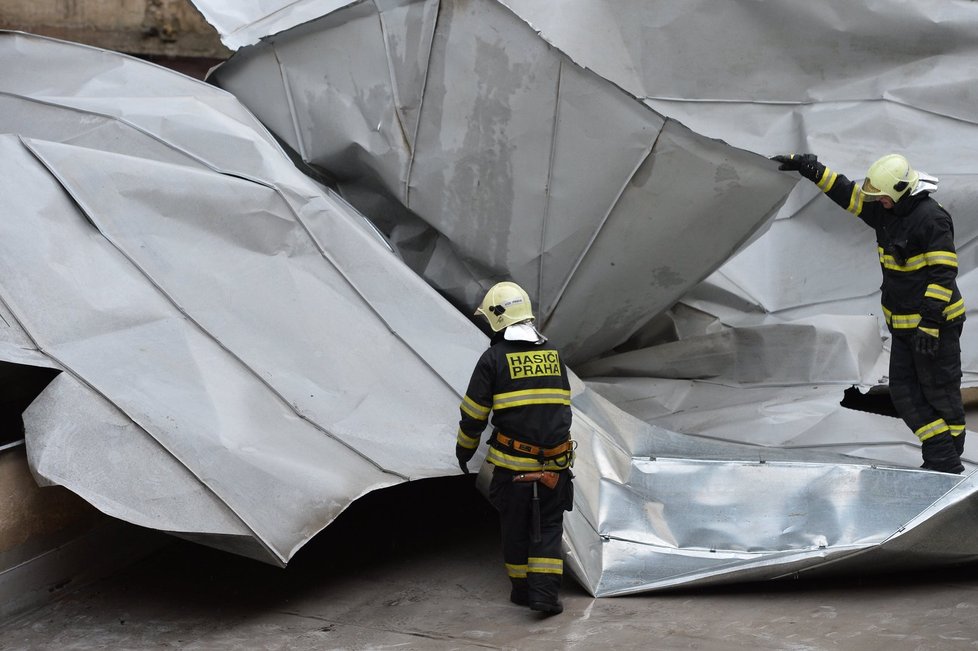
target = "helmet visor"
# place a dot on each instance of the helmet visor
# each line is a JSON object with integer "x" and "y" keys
{"x": 870, "y": 191}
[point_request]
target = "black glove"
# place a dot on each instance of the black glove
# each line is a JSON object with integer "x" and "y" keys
{"x": 924, "y": 343}
{"x": 463, "y": 455}
{"x": 805, "y": 164}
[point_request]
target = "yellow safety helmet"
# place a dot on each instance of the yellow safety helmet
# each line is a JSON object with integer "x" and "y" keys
{"x": 505, "y": 303}
{"x": 890, "y": 176}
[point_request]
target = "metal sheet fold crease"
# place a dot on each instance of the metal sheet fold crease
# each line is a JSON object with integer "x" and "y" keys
{"x": 243, "y": 352}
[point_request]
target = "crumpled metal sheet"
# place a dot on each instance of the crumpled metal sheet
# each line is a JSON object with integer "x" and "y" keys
{"x": 826, "y": 81}
{"x": 520, "y": 163}
{"x": 240, "y": 354}
{"x": 654, "y": 508}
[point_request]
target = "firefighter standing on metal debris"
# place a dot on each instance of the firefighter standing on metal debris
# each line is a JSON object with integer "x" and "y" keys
{"x": 521, "y": 379}
{"x": 921, "y": 302}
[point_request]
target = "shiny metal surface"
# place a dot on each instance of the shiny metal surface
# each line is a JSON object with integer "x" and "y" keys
{"x": 240, "y": 369}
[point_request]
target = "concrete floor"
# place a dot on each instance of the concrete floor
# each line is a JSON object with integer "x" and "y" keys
{"x": 418, "y": 567}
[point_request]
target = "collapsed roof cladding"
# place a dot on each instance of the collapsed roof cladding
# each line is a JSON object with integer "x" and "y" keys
{"x": 269, "y": 399}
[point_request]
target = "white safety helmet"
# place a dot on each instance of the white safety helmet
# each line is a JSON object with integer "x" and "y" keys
{"x": 505, "y": 304}
{"x": 890, "y": 176}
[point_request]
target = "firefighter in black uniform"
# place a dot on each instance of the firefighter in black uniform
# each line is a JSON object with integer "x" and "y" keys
{"x": 921, "y": 302}
{"x": 523, "y": 382}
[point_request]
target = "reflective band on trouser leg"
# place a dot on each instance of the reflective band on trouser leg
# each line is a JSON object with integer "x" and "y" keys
{"x": 906, "y": 391}
{"x": 545, "y": 565}
{"x": 516, "y": 571}
{"x": 931, "y": 429}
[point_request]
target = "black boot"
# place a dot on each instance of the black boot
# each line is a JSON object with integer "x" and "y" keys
{"x": 519, "y": 594}
{"x": 939, "y": 454}
{"x": 959, "y": 443}
{"x": 548, "y": 607}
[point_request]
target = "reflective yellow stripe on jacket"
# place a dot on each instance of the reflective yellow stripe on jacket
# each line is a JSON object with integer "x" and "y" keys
{"x": 527, "y": 464}
{"x": 466, "y": 441}
{"x": 531, "y": 397}
{"x": 938, "y": 292}
{"x": 474, "y": 409}
{"x": 908, "y": 321}
{"x": 918, "y": 262}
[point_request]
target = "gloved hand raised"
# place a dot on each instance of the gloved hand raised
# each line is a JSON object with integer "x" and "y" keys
{"x": 463, "y": 455}
{"x": 924, "y": 343}
{"x": 805, "y": 164}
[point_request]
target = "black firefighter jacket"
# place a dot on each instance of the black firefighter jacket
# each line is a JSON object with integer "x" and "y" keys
{"x": 525, "y": 386}
{"x": 915, "y": 243}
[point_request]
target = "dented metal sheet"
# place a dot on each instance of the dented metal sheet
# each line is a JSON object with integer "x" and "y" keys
{"x": 483, "y": 153}
{"x": 242, "y": 356}
{"x": 237, "y": 351}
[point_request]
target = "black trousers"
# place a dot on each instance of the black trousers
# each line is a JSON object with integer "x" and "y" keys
{"x": 926, "y": 393}
{"x": 535, "y": 569}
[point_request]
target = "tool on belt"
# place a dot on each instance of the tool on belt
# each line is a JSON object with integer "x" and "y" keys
{"x": 565, "y": 449}
{"x": 549, "y": 479}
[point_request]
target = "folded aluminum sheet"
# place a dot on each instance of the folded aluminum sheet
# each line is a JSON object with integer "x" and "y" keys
{"x": 848, "y": 81}
{"x": 826, "y": 81}
{"x": 521, "y": 163}
{"x": 654, "y": 508}
{"x": 241, "y": 357}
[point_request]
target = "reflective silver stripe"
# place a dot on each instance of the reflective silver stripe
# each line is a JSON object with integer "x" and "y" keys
{"x": 949, "y": 258}
{"x": 903, "y": 321}
{"x": 466, "y": 441}
{"x": 938, "y": 292}
{"x": 932, "y": 429}
{"x": 855, "y": 201}
{"x": 543, "y": 565}
{"x": 954, "y": 310}
{"x": 527, "y": 464}
{"x": 474, "y": 409}
{"x": 531, "y": 397}
{"x": 918, "y": 262}
{"x": 828, "y": 180}
{"x": 915, "y": 263}
{"x": 516, "y": 571}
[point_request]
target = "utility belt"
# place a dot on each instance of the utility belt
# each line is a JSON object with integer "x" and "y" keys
{"x": 558, "y": 457}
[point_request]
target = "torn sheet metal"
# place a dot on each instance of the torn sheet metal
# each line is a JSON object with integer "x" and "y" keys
{"x": 240, "y": 357}
{"x": 656, "y": 509}
{"x": 611, "y": 40}
{"x": 226, "y": 388}
{"x": 827, "y": 81}
{"x": 521, "y": 164}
